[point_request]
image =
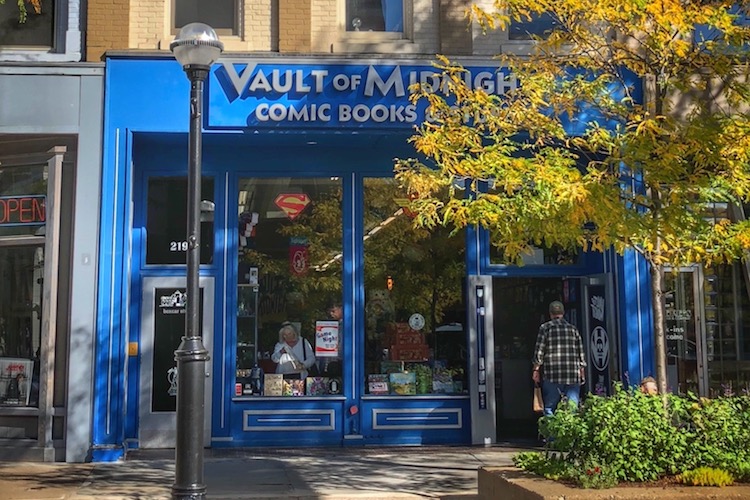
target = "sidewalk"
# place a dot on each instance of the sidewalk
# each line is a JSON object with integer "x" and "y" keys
{"x": 443, "y": 472}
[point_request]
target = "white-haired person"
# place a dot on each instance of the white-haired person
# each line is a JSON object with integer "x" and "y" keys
{"x": 292, "y": 354}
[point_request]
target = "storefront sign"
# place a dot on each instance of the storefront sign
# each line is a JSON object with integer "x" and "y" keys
{"x": 246, "y": 93}
{"x": 22, "y": 210}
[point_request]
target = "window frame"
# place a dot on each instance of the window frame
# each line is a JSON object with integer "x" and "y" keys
{"x": 235, "y": 31}
{"x": 59, "y": 32}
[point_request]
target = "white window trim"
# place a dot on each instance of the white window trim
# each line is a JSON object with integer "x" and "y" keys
{"x": 66, "y": 38}
{"x": 375, "y": 41}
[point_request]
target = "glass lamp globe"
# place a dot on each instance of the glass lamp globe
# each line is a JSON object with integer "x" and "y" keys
{"x": 196, "y": 45}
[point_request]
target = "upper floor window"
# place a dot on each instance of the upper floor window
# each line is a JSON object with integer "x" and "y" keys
{"x": 375, "y": 15}
{"x": 704, "y": 33}
{"x": 221, "y": 15}
{"x": 538, "y": 26}
{"x": 34, "y": 28}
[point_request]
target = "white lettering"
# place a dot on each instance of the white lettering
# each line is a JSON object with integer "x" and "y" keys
{"x": 324, "y": 113}
{"x": 379, "y": 113}
{"x": 318, "y": 75}
{"x": 300, "y": 85}
{"x": 259, "y": 82}
{"x": 394, "y": 81}
{"x": 238, "y": 81}
{"x": 277, "y": 112}
{"x": 261, "y": 112}
{"x": 300, "y": 115}
{"x": 276, "y": 81}
{"x": 411, "y": 113}
{"x": 345, "y": 113}
{"x": 356, "y": 80}
{"x": 361, "y": 113}
{"x": 483, "y": 80}
{"x": 341, "y": 82}
{"x": 506, "y": 83}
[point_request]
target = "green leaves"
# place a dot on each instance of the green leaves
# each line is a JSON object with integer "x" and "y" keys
{"x": 630, "y": 436}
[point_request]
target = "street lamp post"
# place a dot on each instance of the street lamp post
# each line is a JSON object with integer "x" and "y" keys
{"x": 195, "y": 48}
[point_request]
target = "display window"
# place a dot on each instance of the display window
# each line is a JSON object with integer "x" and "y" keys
{"x": 415, "y": 338}
{"x": 22, "y": 227}
{"x": 289, "y": 325}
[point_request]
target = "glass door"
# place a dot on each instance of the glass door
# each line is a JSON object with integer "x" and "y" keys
{"x": 727, "y": 334}
{"x": 684, "y": 330}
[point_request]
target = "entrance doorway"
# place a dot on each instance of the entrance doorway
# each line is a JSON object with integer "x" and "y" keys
{"x": 520, "y": 306}
{"x": 162, "y": 329}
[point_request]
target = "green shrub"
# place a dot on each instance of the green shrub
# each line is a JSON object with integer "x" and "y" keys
{"x": 551, "y": 467}
{"x": 706, "y": 476}
{"x": 635, "y": 437}
{"x": 741, "y": 471}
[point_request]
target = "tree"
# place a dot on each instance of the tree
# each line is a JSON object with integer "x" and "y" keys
{"x": 574, "y": 158}
{"x": 23, "y": 12}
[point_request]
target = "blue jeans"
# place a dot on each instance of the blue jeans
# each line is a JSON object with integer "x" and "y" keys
{"x": 553, "y": 393}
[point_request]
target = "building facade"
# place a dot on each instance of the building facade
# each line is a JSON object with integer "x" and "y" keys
{"x": 50, "y": 164}
{"x": 304, "y": 114}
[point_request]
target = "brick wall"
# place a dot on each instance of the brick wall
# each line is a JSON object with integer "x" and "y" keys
{"x": 148, "y": 24}
{"x": 295, "y": 25}
{"x": 288, "y": 26}
{"x": 324, "y": 27}
{"x": 455, "y": 31}
{"x": 261, "y": 24}
{"x": 107, "y": 27}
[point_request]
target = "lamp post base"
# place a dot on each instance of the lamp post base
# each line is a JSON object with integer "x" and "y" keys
{"x": 196, "y": 493}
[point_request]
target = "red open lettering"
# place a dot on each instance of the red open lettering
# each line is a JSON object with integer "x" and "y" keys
{"x": 22, "y": 210}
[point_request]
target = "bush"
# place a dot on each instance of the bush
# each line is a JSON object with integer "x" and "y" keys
{"x": 706, "y": 476}
{"x": 630, "y": 436}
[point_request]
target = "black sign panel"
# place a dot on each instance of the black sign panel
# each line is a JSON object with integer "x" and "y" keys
{"x": 166, "y": 221}
{"x": 599, "y": 341}
{"x": 169, "y": 328}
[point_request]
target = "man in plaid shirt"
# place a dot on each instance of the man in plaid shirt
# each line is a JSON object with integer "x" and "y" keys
{"x": 560, "y": 351}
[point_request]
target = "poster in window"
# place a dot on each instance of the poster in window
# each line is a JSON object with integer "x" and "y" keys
{"x": 169, "y": 328}
{"x": 327, "y": 339}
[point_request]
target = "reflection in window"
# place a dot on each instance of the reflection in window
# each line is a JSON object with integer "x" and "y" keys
{"x": 415, "y": 337}
{"x": 219, "y": 14}
{"x": 36, "y": 31}
{"x": 289, "y": 270}
{"x": 22, "y": 275}
{"x": 375, "y": 15}
{"x": 727, "y": 305}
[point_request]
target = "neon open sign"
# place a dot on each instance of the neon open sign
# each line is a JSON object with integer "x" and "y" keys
{"x": 22, "y": 210}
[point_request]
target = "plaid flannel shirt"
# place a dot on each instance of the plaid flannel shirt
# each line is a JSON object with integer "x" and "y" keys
{"x": 560, "y": 351}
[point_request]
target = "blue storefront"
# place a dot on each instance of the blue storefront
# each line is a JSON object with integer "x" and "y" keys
{"x": 300, "y": 214}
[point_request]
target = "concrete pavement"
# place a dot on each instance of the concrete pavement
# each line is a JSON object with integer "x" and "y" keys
{"x": 444, "y": 472}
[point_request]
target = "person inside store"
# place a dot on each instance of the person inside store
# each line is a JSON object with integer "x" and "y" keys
{"x": 293, "y": 355}
{"x": 332, "y": 366}
{"x": 559, "y": 351}
{"x": 649, "y": 386}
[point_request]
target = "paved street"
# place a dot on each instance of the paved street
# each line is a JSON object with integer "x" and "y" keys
{"x": 443, "y": 472}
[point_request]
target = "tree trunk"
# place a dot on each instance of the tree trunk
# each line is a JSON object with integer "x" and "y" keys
{"x": 660, "y": 343}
